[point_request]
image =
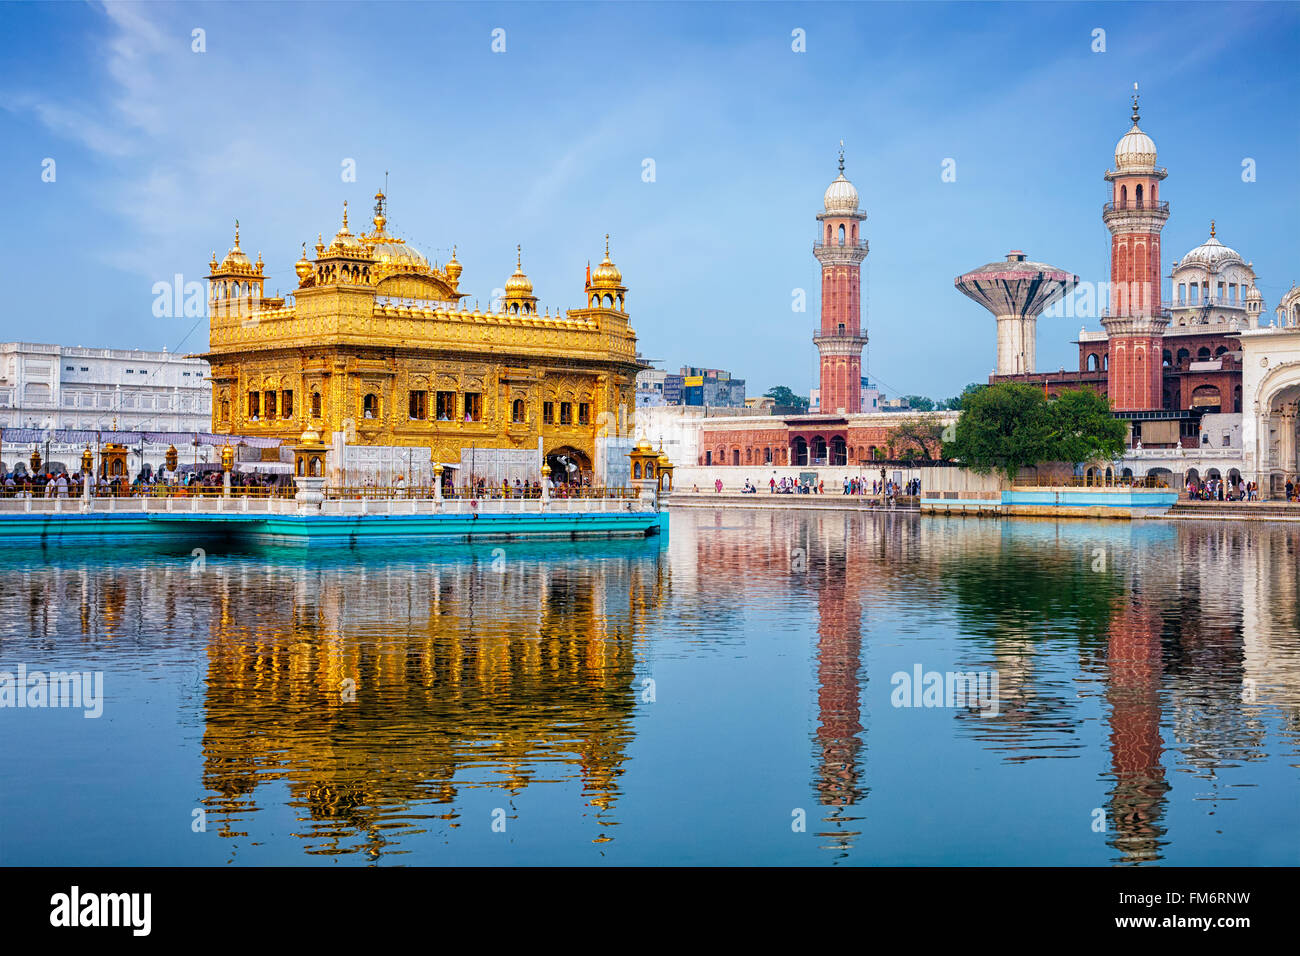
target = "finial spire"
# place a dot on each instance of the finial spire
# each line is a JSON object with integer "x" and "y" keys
{"x": 841, "y": 157}
{"x": 236, "y": 233}
{"x": 519, "y": 257}
{"x": 1211, "y": 228}
{"x": 1135, "y": 104}
{"x": 606, "y": 245}
{"x": 345, "y": 214}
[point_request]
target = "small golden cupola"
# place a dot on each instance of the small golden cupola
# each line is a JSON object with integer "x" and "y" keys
{"x": 304, "y": 268}
{"x": 453, "y": 269}
{"x": 235, "y": 285}
{"x": 347, "y": 261}
{"x": 519, "y": 289}
{"x": 605, "y": 290}
{"x": 344, "y": 241}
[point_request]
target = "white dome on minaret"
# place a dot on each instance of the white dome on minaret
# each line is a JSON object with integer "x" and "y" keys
{"x": 1136, "y": 151}
{"x": 841, "y": 196}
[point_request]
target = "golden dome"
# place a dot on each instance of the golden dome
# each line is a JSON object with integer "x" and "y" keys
{"x": 518, "y": 285}
{"x": 390, "y": 250}
{"x": 453, "y": 269}
{"x": 644, "y": 447}
{"x": 309, "y": 437}
{"x": 303, "y": 267}
{"x": 235, "y": 260}
{"x": 606, "y": 273}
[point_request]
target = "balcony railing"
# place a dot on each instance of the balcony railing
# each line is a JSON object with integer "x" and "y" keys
{"x": 1135, "y": 205}
{"x": 846, "y": 243}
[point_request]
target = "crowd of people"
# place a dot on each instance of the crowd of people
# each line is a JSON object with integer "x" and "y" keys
{"x": 1216, "y": 489}
{"x": 147, "y": 483}
{"x": 877, "y": 488}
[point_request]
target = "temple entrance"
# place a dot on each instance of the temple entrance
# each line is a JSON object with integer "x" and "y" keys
{"x": 569, "y": 466}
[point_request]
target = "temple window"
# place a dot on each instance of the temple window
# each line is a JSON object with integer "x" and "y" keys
{"x": 517, "y": 411}
{"x": 548, "y": 413}
{"x": 370, "y": 406}
{"x": 268, "y": 403}
{"x": 254, "y": 405}
{"x": 445, "y": 406}
{"x": 286, "y": 403}
{"x": 584, "y": 413}
{"x": 315, "y": 404}
{"x": 566, "y": 413}
{"x": 418, "y": 405}
{"x": 473, "y": 407}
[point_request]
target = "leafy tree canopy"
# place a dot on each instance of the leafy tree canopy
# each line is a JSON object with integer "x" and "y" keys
{"x": 1010, "y": 426}
{"x": 784, "y": 397}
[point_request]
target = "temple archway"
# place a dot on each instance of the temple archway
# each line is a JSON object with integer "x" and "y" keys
{"x": 568, "y": 464}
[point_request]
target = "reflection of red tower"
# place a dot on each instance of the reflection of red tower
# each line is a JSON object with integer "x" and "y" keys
{"x": 839, "y": 657}
{"x": 840, "y": 250}
{"x": 1135, "y": 322}
{"x": 1134, "y": 665}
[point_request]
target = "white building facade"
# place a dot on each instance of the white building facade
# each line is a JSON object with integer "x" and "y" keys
{"x": 59, "y": 387}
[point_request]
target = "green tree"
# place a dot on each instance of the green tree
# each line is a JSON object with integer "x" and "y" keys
{"x": 783, "y": 397}
{"x": 1083, "y": 428}
{"x": 1005, "y": 427}
{"x": 914, "y": 438}
{"x": 957, "y": 402}
{"x": 919, "y": 403}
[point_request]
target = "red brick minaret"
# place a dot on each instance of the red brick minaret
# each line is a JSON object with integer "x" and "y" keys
{"x": 1135, "y": 322}
{"x": 840, "y": 339}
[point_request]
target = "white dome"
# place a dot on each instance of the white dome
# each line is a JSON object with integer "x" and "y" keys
{"x": 1135, "y": 152}
{"x": 841, "y": 197}
{"x": 1212, "y": 254}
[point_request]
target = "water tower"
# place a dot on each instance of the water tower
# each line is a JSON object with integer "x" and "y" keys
{"x": 1016, "y": 292}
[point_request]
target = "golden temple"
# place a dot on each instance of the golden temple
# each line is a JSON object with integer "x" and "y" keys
{"x": 378, "y": 346}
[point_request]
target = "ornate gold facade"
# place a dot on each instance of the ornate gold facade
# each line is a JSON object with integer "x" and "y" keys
{"x": 377, "y": 345}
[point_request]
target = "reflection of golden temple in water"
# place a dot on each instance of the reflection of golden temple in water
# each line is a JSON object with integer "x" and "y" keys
{"x": 468, "y": 680}
{"x": 367, "y": 719}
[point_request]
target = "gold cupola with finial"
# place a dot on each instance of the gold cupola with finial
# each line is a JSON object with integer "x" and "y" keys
{"x": 453, "y": 269}
{"x": 519, "y": 298}
{"x": 605, "y": 289}
{"x": 235, "y": 284}
{"x": 304, "y": 268}
{"x": 347, "y": 259}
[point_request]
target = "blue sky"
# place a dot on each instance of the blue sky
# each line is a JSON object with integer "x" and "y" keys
{"x": 158, "y": 149}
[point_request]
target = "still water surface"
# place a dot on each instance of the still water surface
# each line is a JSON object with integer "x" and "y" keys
{"x": 693, "y": 700}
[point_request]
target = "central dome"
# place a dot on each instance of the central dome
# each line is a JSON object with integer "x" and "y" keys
{"x": 394, "y": 252}
{"x": 390, "y": 250}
